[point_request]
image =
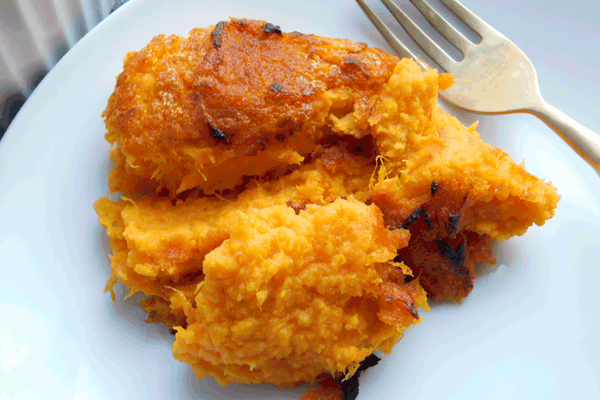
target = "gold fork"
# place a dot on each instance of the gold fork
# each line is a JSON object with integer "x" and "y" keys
{"x": 494, "y": 77}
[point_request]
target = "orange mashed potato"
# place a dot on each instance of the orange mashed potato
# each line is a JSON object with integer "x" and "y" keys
{"x": 290, "y": 201}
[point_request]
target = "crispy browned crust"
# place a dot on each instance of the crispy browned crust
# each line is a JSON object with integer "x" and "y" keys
{"x": 233, "y": 100}
{"x": 442, "y": 252}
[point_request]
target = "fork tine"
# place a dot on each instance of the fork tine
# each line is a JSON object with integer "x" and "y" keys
{"x": 389, "y": 36}
{"x": 471, "y": 19}
{"x": 425, "y": 42}
{"x": 443, "y": 26}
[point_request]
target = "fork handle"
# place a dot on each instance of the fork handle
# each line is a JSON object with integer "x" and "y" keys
{"x": 581, "y": 139}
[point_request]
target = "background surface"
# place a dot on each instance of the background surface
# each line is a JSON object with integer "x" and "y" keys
{"x": 34, "y": 36}
{"x": 528, "y": 331}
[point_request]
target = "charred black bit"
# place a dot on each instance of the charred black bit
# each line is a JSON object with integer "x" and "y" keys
{"x": 343, "y": 197}
{"x": 350, "y": 385}
{"x": 413, "y": 217}
{"x": 455, "y": 256}
{"x": 358, "y": 149}
{"x": 453, "y": 219}
{"x": 427, "y": 220}
{"x": 408, "y": 278}
{"x": 434, "y": 188}
{"x": 270, "y": 28}
{"x": 371, "y": 361}
{"x": 276, "y": 87}
{"x": 217, "y": 134}
{"x": 218, "y": 29}
{"x": 216, "y": 32}
{"x": 413, "y": 311}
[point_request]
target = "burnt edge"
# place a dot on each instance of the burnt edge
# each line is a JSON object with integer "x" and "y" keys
{"x": 350, "y": 385}
{"x": 270, "y": 28}
{"x": 412, "y": 218}
{"x": 428, "y": 221}
{"x": 216, "y": 33}
{"x": 434, "y": 188}
{"x": 456, "y": 256}
{"x": 218, "y": 134}
{"x": 453, "y": 220}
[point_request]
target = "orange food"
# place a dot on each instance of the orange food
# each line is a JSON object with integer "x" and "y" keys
{"x": 288, "y": 206}
{"x": 274, "y": 287}
{"x": 187, "y": 113}
{"x": 291, "y": 296}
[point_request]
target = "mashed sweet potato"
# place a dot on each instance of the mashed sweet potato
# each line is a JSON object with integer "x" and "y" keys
{"x": 289, "y": 199}
{"x": 290, "y": 296}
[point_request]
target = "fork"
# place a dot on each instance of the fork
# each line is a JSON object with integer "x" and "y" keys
{"x": 494, "y": 77}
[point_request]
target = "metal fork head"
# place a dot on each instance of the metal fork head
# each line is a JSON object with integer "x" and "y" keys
{"x": 494, "y": 76}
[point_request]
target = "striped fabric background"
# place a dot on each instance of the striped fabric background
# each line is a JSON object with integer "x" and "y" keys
{"x": 34, "y": 35}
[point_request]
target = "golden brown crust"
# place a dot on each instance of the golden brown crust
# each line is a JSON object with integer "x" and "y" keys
{"x": 257, "y": 85}
{"x": 187, "y": 113}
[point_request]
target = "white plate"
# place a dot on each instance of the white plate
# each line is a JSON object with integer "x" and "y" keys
{"x": 529, "y": 329}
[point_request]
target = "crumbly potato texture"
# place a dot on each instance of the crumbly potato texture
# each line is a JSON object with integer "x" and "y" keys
{"x": 289, "y": 297}
{"x": 290, "y": 201}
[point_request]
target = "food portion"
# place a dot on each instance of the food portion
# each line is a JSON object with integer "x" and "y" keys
{"x": 280, "y": 297}
{"x": 236, "y": 100}
{"x": 157, "y": 242}
{"x": 289, "y": 296}
{"x": 295, "y": 278}
{"x": 457, "y": 194}
{"x": 289, "y": 199}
